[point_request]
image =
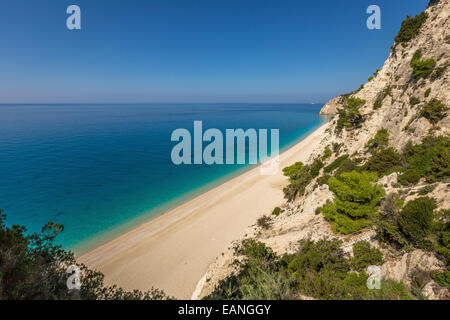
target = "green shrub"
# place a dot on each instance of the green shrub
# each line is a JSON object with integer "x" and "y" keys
{"x": 441, "y": 278}
{"x": 276, "y": 211}
{"x": 326, "y": 154}
{"x": 300, "y": 176}
{"x": 349, "y": 116}
{"x": 416, "y": 218}
{"x": 380, "y": 140}
{"x": 411, "y": 27}
{"x": 356, "y": 197}
{"x": 409, "y": 177}
{"x": 430, "y": 158}
{"x": 427, "y": 189}
{"x": 355, "y": 102}
{"x": 32, "y": 267}
{"x": 323, "y": 179}
{"x": 380, "y": 97}
{"x": 336, "y": 147}
{"x": 347, "y": 165}
{"x": 434, "y": 110}
{"x": 390, "y": 290}
{"x": 315, "y": 168}
{"x": 388, "y": 231}
{"x": 318, "y": 267}
{"x": 268, "y": 285}
{"x": 439, "y": 72}
{"x": 421, "y": 68}
{"x": 264, "y": 222}
{"x": 377, "y": 105}
{"x": 413, "y": 101}
{"x": 293, "y": 170}
{"x": 365, "y": 255}
{"x": 383, "y": 162}
{"x": 335, "y": 164}
{"x": 427, "y": 93}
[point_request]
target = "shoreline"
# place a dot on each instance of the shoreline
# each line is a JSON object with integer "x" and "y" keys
{"x": 173, "y": 250}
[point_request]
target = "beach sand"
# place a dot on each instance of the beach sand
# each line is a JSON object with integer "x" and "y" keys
{"x": 172, "y": 251}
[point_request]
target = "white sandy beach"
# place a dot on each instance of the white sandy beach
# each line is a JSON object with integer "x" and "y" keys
{"x": 172, "y": 251}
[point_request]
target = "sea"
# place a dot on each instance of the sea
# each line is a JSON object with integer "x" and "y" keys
{"x": 102, "y": 169}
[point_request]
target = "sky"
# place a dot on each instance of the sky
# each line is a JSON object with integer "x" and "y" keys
{"x": 192, "y": 50}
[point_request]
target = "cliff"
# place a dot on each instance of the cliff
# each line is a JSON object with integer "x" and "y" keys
{"x": 408, "y": 100}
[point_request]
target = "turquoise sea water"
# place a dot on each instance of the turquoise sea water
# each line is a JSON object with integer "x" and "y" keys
{"x": 102, "y": 169}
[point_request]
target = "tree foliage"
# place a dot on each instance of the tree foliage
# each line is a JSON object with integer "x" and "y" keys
{"x": 410, "y": 27}
{"x": 421, "y": 68}
{"x": 32, "y": 267}
{"x": 434, "y": 110}
{"x": 356, "y": 197}
{"x": 350, "y": 116}
{"x": 416, "y": 218}
{"x": 364, "y": 255}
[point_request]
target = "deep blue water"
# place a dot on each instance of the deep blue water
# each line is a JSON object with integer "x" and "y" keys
{"x": 102, "y": 169}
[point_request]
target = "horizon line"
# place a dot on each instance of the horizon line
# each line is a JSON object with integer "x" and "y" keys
{"x": 154, "y": 102}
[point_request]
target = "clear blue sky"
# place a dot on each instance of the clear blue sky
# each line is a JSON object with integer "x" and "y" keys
{"x": 192, "y": 50}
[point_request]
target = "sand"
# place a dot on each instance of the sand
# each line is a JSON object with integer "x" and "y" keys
{"x": 173, "y": 251}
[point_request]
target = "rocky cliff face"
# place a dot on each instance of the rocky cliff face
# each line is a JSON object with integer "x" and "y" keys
{"x": 393, "y": 100}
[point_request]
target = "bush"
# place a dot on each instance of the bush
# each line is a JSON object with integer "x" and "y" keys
{"x": 388, "y": 229}
{"x": 259, "y": 263}
{"x": 264, "y": 222}
{"x": 300, "y": 176}
{"x": 421, "y": 68}
{"x": 441, "y": 278}
{"x": 276, "y": 211}
{"x": 380, "y": 97}
{"x": 380, "y": 140}
{"x": 411, "y": 27}
{"x": 427, "y": 189}
{"x": 347, "y": 165}
{"x": 335, "y": 164}
{"x": 427, "y": 93}
{"x": 434, "y": 110}
{"x": 349, "y": 116}
{"x": 355, "y": 199}
{"x": 383, "y": 162}
{"x": 318, "y": 269}
{"x": 293, "y": 170}
{"x": 439, "y": 72}
{"x": 416, "y": 218}
{"x": 413, "y": 101}
{"x": 409, "y": 177}
{"x": 323, "y": 179}
{"x": 32, "y": 267}
{"x": 315, "y": 168}
{"x": 430, "y": 158}
{"x": 326, "y": 154}
{"x": 364, "y": 255}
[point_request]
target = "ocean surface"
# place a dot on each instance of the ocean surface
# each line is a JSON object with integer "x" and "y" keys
{"x": 102, "y": 169}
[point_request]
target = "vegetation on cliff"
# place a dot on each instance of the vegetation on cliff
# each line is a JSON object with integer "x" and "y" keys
{"x": 33, "y": 267}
